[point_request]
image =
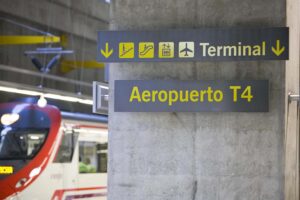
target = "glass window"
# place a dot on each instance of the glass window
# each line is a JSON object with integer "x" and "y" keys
{"x": 16, "y": 143}
{"x": 66, "y": 148}
{"x": 92, "y": 157}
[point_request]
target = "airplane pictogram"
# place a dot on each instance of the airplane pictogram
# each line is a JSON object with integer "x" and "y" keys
{"x": 186, "y": 49}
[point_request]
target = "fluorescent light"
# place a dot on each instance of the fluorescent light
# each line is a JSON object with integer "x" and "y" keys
{"x": 19, "y": 91}
{"x": 63, "y": 98}
{"x": 86, "y": 101}
{"x": 46, "y": 95}
{"x": 68, "y": 98}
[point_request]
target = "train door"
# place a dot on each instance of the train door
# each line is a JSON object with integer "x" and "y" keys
{"x": 92, "y": 157}
{"x": 66, "y": 157}
{"x": 83, "y": 157}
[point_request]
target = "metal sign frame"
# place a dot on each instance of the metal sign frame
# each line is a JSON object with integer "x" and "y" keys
{"x": 100, "y": 98}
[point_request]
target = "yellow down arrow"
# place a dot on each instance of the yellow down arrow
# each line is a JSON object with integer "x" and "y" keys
{"x": 107, "y": 52}
{"x": 278, "y": 51}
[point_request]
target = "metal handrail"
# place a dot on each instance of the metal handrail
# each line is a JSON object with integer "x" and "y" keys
{"x": 294, "y": 97}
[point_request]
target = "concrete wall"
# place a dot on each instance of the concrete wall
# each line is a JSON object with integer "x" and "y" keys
{"x": 197, "y": 156}
{"x": 76, "y": 19}
{"x": 70, "y": 16}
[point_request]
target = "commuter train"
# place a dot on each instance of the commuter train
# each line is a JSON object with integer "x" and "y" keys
{"x": 46, "y": 153}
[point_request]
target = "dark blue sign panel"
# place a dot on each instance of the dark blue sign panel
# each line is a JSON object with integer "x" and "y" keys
{"x": 206, "y": 44}
{"x": 191, "y": 96}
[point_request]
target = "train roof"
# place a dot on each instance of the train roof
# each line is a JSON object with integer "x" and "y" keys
{"x": 66, "y": 111}
{"x": 85, "y": 117}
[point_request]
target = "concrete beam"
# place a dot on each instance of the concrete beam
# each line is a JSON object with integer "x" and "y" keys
{"x": 55, "y": 16}
{"x": 94, "y": 8}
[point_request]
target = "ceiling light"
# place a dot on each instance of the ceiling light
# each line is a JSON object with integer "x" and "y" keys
{"x": 19, "y": 91}
{"x": 47, "y": 95}
{"x": 68, "y": 98}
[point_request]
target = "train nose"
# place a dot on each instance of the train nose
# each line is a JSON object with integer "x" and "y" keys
{"x": 7, "y": 192}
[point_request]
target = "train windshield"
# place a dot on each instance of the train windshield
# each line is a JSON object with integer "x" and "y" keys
{"x": 19, "y": 143}
{"x": 23, "y": 131}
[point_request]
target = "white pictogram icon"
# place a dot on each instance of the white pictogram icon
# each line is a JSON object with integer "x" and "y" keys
{"x": 186, "y": 50}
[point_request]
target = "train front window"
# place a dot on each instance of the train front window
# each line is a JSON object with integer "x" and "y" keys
{"x": 21, "y": 143}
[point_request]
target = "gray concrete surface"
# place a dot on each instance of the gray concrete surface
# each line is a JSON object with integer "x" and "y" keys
{"x": 76, "y": 19}
{"x": 292, "y": 85}
{"x": 197, "y": 156}
{"x": 71, "y": 16}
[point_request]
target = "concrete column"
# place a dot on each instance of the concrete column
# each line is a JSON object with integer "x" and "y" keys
{"x": 197, "y": 156}
{"x": 292, "y": 108}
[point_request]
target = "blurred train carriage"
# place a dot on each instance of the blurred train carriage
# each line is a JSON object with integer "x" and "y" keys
{"x": 49, "y": 154}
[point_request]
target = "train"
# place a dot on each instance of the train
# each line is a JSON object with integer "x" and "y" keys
{"x": 46, "y": 153}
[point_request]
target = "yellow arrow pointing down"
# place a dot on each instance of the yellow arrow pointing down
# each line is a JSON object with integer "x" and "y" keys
{"x": 278, "y": 51}
{"x": 107, "y": 52}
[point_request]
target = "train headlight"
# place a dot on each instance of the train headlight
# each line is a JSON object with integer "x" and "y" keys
{"x": 35, "y": 172}
{"x": 9, "y": 118}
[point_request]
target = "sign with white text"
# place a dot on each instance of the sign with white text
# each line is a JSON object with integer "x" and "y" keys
{"x": 206, "y": 44}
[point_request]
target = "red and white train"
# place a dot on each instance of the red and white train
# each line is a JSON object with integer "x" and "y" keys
{"x": 49, "y": 154}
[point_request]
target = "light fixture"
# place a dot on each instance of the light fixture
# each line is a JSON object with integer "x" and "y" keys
{"x": 68, "y": 98}
{"x": 19, "y": 91}
{"x": 9, "y": 118}
{"x": 35, "y": 172}
{"x": 46, "y": 95}
{"x": 42, "y": 102}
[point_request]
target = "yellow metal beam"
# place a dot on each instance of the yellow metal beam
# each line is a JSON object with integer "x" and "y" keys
{"x": 27, "y": 40}
{"x": 64, "y": 40}
{"x": 69, "y": 65}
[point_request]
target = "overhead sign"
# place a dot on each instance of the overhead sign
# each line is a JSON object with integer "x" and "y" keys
{"x": 207, "y": 44}
{"x": 191, "y": 96}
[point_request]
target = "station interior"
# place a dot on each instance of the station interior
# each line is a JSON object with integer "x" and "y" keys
{"x": 205, "y": 107}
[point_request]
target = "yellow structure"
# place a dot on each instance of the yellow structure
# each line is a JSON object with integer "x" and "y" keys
{"x": 27, "y": 40}
{"x": 69, "y": 65}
